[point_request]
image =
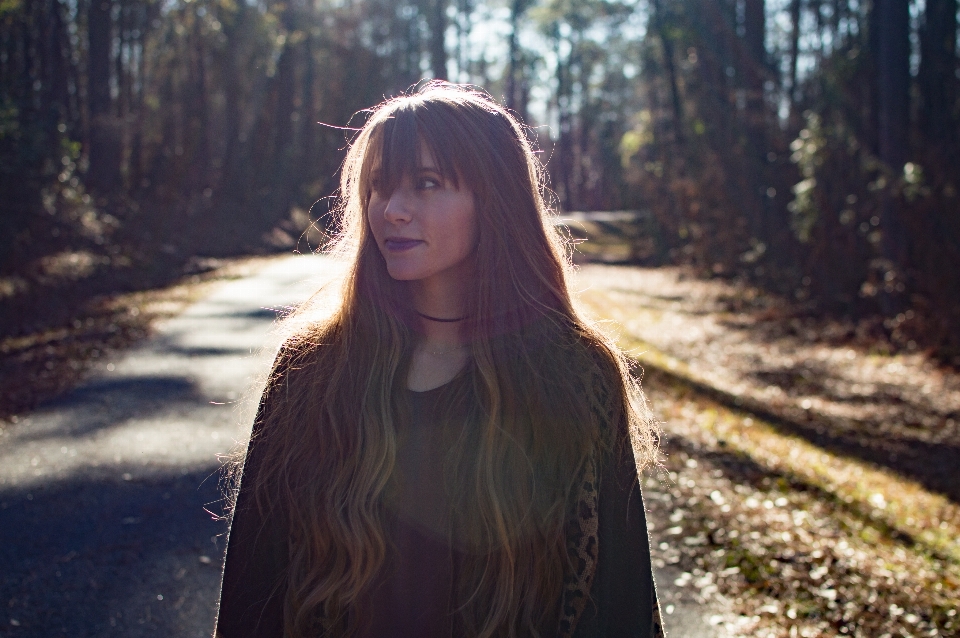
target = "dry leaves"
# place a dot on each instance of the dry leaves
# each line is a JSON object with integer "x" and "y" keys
{"x": 801, "y": 486}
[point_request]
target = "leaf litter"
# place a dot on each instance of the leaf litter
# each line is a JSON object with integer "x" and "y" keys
{"x": 801, "y": 488}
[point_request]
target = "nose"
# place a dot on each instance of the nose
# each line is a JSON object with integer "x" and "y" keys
{"x": 398, "y": 208}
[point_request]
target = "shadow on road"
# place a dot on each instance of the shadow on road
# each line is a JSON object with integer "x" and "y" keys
{"x": 106, "y": 492}
{"x": 107, "y": 402}
{"x": 100, "y": 557}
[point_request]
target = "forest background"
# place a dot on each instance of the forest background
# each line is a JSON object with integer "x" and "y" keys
{"x": 811, "y": 147}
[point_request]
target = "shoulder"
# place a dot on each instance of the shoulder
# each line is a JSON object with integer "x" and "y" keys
{"x": 301, "y": 355}
{"x": 307, "y": 346}
{"x": 606, "y": 382}
{"x": 291, "y": 396}
{"x": 297, "y": 378}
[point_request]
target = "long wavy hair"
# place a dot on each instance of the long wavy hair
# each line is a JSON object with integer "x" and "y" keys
{"x": 552, "y": 393}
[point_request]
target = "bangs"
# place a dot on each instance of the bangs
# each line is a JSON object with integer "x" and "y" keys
{"x": 396, "y": 143}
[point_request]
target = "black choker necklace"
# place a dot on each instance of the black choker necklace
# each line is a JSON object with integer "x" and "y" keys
{"x": 439, "y": 319}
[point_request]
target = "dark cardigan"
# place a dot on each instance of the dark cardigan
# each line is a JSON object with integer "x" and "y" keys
{"x": 611, "y": 593}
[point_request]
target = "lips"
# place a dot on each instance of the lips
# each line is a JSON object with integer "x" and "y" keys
{"x": 400, "y": 244}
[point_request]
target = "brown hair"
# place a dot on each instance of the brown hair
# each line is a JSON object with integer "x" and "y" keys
{"x": 552, "y": 391}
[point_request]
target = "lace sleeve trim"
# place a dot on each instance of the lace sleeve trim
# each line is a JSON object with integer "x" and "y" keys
{"x": 582, "y": 548}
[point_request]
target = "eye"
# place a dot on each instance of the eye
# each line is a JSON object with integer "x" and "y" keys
{"x": 375, "y": 177}
{"x": 429, "y": 182}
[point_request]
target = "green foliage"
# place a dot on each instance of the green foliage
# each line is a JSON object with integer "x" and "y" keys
{"x": 807, "y": 150}
{"x": 10, "y": 7}
{"x": 9, "y": 121}
{"x": 756, "y": 146}
{"x": 778, "y": 171}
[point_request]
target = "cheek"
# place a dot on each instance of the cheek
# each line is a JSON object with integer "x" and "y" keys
{"x": 468, "y": 226}
{"x": 474, "y": 234}
{"x": 371, "y": 218}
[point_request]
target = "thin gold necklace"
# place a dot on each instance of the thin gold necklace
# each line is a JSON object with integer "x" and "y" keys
{"x": 444, "y": 351}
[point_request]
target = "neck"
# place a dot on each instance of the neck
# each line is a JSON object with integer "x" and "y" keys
{"x": 441, "y": 299}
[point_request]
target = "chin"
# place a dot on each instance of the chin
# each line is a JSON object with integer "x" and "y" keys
{"x": 401, "y": 274}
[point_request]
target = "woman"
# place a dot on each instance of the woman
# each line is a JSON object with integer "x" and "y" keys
{"x": 449, "y": 453}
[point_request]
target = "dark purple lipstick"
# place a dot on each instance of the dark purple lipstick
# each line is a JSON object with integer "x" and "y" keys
{"x": 400, "y": 244}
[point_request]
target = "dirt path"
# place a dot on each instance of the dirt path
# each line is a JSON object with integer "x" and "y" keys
{"x": 810, "y": 484}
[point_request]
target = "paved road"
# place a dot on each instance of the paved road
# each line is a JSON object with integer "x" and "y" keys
{"x": 103, "y": 528}
{"x": 103, "y": 493}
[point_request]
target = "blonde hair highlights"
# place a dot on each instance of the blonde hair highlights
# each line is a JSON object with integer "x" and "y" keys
{"x": 553, "y": 392}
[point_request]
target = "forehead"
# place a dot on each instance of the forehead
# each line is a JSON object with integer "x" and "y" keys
{"x": 420, "y": 157}
{"x": 425, "y": 157}
{"x": 400, "y": 146}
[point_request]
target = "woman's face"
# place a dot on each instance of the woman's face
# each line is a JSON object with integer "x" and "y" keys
{"x": 426, "y": 229}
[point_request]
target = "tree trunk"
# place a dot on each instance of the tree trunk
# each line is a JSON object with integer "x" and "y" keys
{"x": 103, "y": 174}
{"x": 755, "y": 66}
{"x": 891, "y": 25}
{"x": 56, "y": 92}
{"x": 308, "y": 116}
{"x": 667, "y": 41}
{"x": 892, "y": 21}
{"x": 118, "y": 70}
{"x": 516, "y": 9}
{"x": 464, "y": 28}
{"x": 137, "y": 99}
{"x": 754, "y": 30}
{"x": 794, "y": 55}
{"x": 563, "y": 146}
{"x": 438, "y": 31}
{"x": 936, "y": 79}
{"x": 201, "y": 156}
{"x": 233, "y": 108}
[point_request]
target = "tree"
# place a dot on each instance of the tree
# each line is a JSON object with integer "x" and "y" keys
{"x": 937, "y": 80}
{"x": 438, "y": 32}
{"x": 103, "y": 174}
{"x": 890, "y": 30}
{"x": 515, "y": 101}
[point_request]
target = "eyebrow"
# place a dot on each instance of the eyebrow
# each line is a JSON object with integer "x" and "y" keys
{"x": 449, "y": 177}
{"x": 434, "y": 165}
